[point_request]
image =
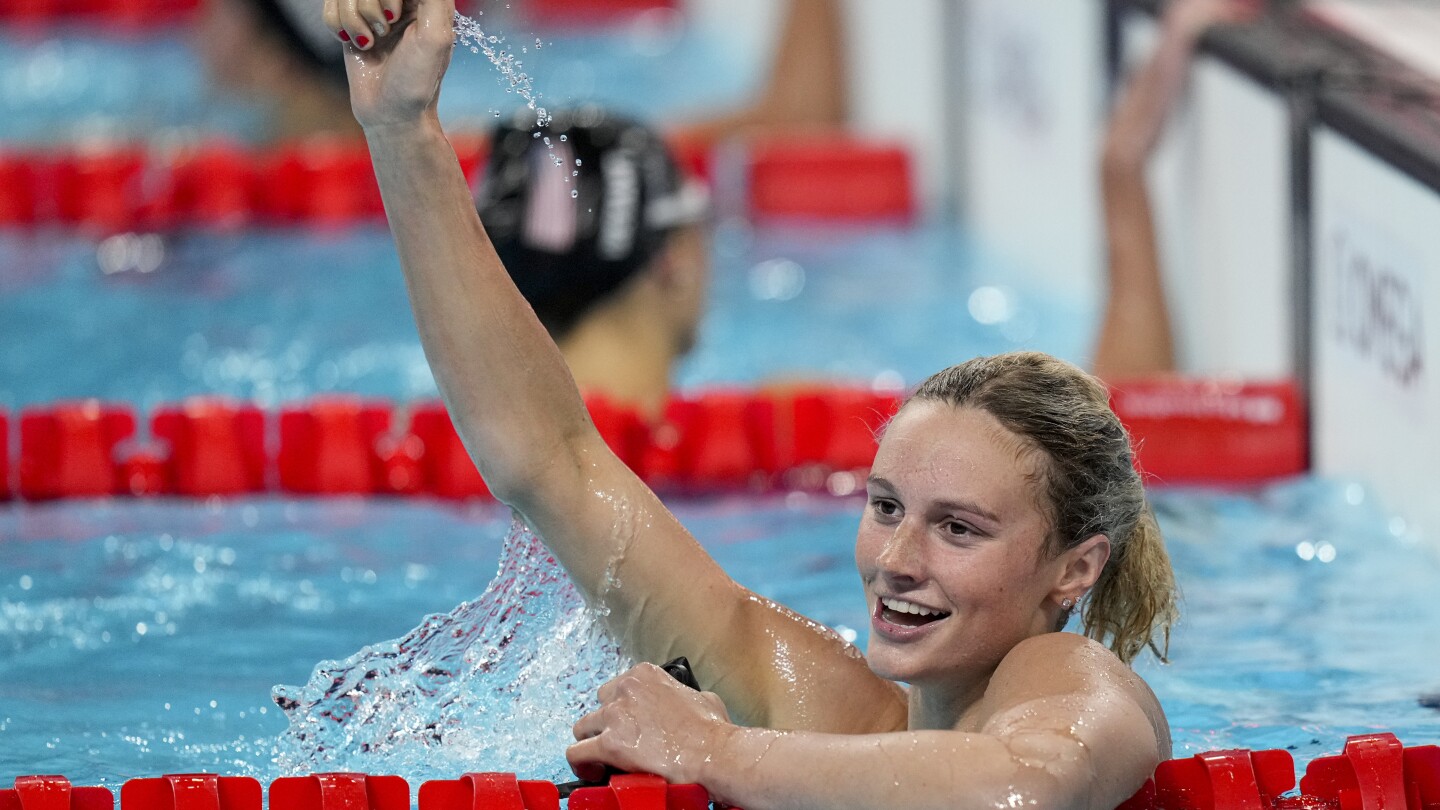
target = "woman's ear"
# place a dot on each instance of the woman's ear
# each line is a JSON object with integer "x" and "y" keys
{"x": 1080, "y": 570}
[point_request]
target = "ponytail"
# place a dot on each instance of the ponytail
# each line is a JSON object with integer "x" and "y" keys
{"x": 1135, "y": 599}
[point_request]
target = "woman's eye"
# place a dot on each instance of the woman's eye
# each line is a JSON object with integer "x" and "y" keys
{"x": 886, "y": 508}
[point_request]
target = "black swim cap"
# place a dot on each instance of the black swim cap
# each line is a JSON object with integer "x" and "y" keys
{"x": 299, "y": 25}
{"x": 575, "y": 207}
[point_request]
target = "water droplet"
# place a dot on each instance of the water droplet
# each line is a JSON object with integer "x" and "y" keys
{"x": 574, "y": 192}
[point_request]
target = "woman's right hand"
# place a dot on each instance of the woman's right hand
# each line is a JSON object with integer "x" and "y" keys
{"x": 395, "y": 67}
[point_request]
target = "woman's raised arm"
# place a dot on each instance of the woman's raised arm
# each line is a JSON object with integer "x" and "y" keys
{"x": 521, "y": 417}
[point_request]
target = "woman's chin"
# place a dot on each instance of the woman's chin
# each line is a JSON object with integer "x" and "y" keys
{"x": 886, "y": 664}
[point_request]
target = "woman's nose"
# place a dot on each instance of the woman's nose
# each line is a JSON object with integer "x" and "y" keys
{"x": 901, "y": 558}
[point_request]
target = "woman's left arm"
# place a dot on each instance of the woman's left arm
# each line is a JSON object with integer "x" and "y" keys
{"x": 1065, "y": 725}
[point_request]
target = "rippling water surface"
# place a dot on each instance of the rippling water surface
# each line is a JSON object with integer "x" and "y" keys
{"x": 140, "y": 639}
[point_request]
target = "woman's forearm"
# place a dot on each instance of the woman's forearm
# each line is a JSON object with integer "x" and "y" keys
{"x": 916, "y": 770}
{"x": 1144, "y": 104}
{"x": 1135, "y": 333}
{"x": 505, "y": 383}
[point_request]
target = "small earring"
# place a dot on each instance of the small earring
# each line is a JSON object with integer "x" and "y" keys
{"x": 1067, "y": 603}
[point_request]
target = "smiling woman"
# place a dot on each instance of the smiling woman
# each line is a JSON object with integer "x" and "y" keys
{"x": 1004, "y": 493}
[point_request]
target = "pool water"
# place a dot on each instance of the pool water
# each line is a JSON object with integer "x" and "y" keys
{"x": 80, "y": 84}
{"x": 277, "y": 315}
{"x": 143, "y": 638}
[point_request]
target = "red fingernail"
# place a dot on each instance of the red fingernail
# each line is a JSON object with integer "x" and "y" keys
{"x": 344, "y": 36}
{"x": 389, "y": 15}
{"x": 362, "y": 40}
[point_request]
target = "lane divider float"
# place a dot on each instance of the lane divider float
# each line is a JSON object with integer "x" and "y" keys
{"x": 122, "y": 15}
{"x": 836, "y": 177}
{"x": 1199, "y": 430}
{"x": 818, "y": 439}
{"x": 106, "y": 189}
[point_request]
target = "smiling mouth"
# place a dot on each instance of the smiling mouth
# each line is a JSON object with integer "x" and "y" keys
{"x": 906, "y": 614}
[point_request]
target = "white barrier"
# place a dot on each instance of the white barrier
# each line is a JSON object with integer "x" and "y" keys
{"x": 1033, "y": 90}
{"x": 1377, "y": 329}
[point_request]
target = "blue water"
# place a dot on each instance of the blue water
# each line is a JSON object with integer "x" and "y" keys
{"x": 80, "y": 84}
{"x": 143, "y": 638}
{"x": 279, "y": 315}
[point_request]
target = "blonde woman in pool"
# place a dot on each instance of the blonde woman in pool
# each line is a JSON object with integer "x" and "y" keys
{"x": 1002, "y": 499}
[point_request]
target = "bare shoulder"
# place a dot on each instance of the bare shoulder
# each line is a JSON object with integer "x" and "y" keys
{"x": 1069, "y": 664}
{"x": 1071, "y": 657}
{"x": 1063, "y": 691}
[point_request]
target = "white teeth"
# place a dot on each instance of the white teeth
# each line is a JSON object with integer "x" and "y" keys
{"x": 901, "y": 606}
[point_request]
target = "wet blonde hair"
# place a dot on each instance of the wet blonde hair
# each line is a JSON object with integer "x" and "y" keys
{"x": 1089, "y": 475}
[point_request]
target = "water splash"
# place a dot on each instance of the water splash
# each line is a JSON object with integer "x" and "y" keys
{"x": 512, "y": 72}
{"x": 497, "y": 680}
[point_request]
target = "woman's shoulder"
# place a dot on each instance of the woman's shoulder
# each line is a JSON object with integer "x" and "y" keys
{"x": 1078, "y": 654}
{"x": 1070, "y": 662}
{"x": 1068, "y": 672}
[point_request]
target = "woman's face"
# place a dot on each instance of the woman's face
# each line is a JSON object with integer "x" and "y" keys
{"x": 951, "y": 548}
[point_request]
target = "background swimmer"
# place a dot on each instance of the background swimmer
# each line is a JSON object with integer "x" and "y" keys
{"x": 279, "y": 53}
{"x": 606, "y": 240}
{"x": 1003, "y": 494}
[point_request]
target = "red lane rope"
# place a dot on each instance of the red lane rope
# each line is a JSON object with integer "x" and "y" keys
{"x": 116, "y": 188}
{"x": 326, "y": 181}
{"x": 1373, "y": 772}
{"x": 818, "y": 439}
{"x": 134, "y": 15}
{"x": 124, "y": 15}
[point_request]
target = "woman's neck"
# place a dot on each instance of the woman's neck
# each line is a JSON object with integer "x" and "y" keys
{"x": 945, "y": 707}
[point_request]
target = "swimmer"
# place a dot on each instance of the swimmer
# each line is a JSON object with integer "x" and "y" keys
{"x": 1135, "y": 337}
{"x": 607, "y": 241}
{"x": 278, "y": 53}
{"x": 1002, "y": 500}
